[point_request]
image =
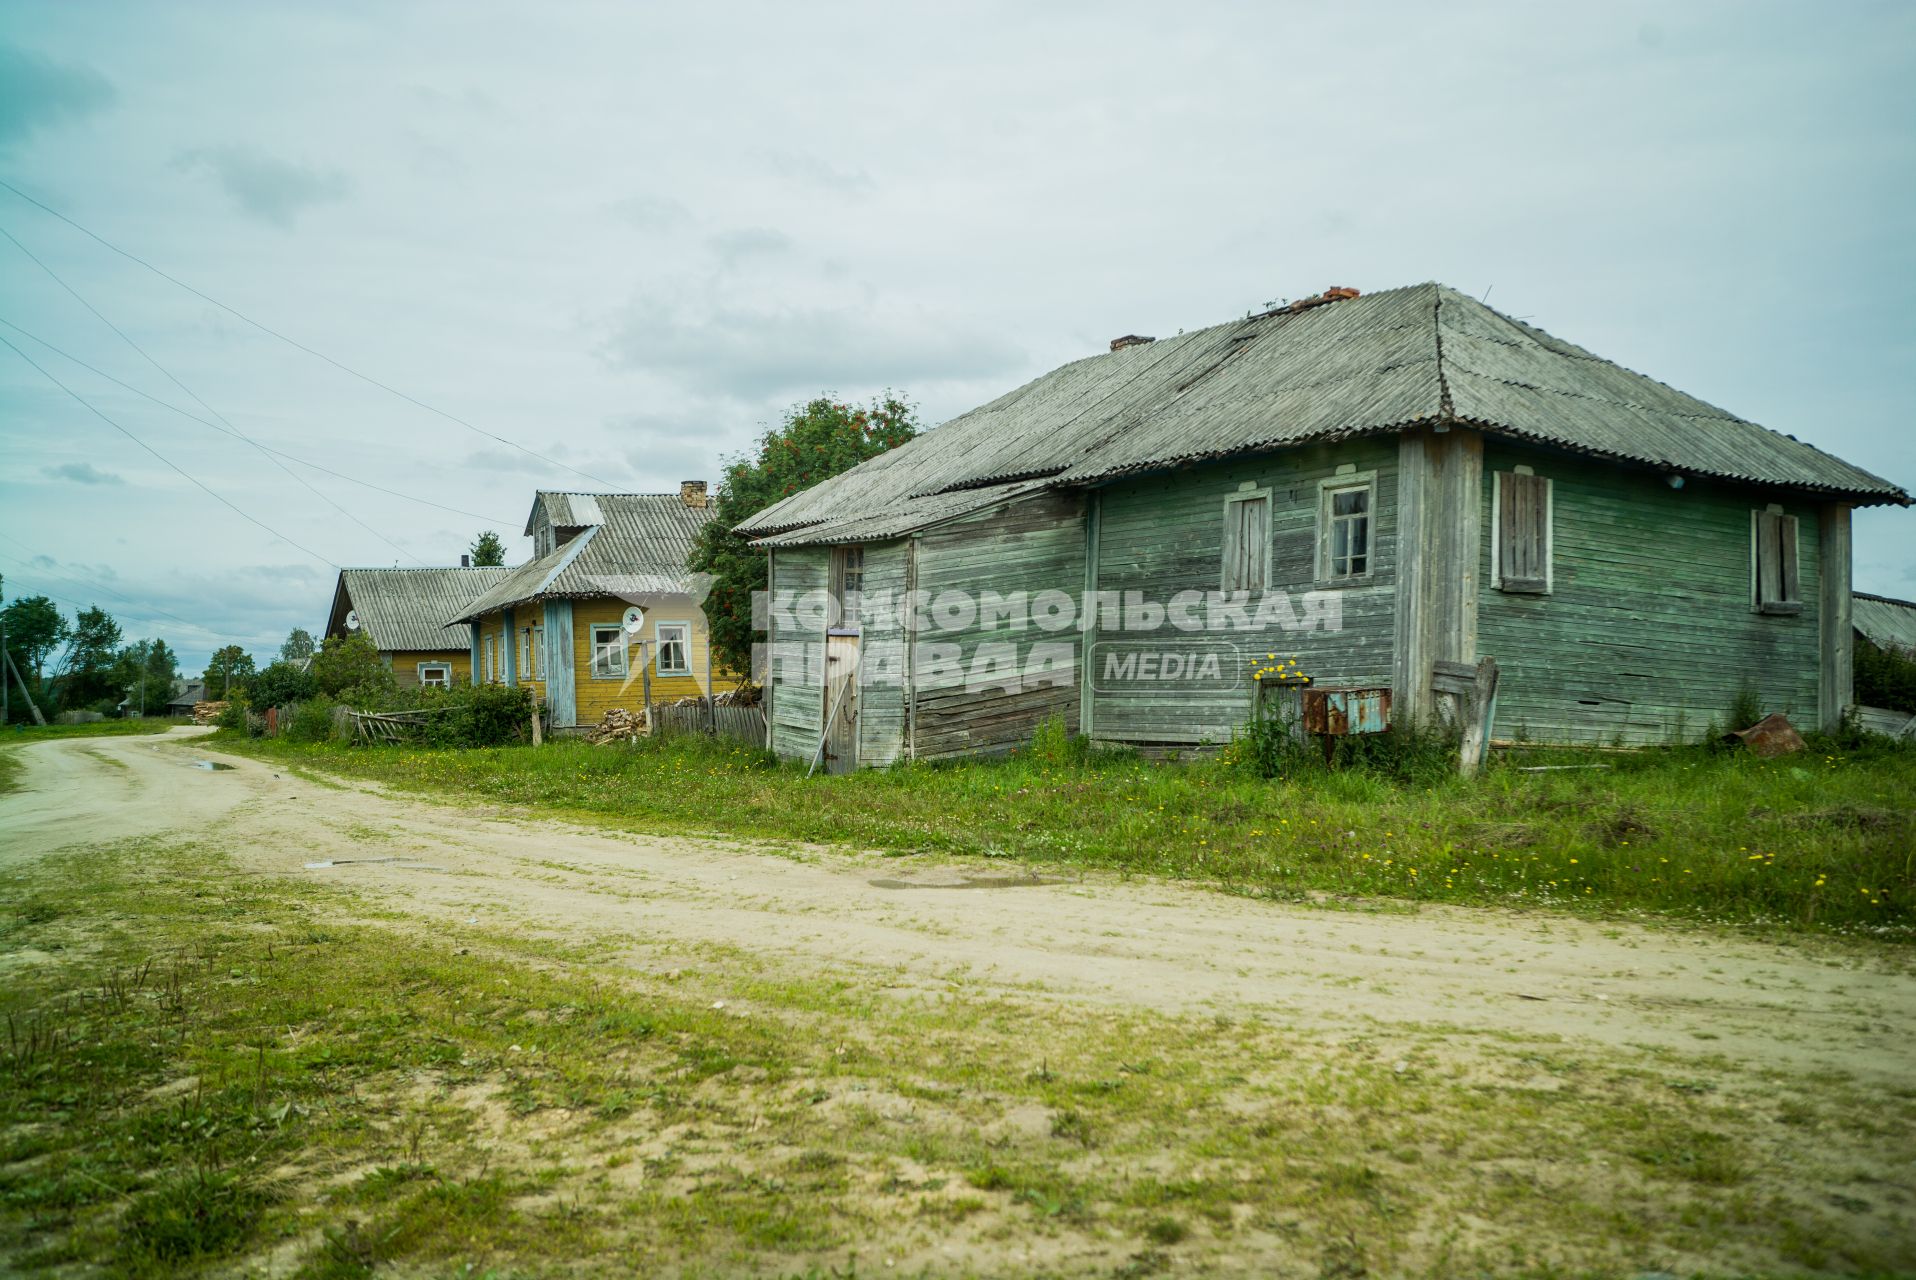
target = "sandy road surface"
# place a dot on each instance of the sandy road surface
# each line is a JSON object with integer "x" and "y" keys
{"x": 1803, "y": 1006}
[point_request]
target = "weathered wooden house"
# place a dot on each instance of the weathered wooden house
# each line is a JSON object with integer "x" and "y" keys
{"x": 1889, "y": 625}
{"x": 604, "y": 610}
{"x": 403, "y": 612}
{"x": 1369, "y": 486}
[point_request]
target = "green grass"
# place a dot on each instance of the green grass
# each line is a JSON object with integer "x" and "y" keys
{"x": 24, "y": 733}
{"x": 200, "y": 1072}
{"x": 1823, "y": 840}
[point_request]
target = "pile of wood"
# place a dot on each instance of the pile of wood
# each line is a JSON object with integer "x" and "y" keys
{"x": 740, "y": 697}
{"x": 207, "y": 712}
{"x": 619, "y": 725}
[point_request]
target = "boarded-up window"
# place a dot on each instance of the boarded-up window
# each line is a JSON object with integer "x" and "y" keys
{"x": 1247, "y": 542}
{"x": 1774, "y": 563}
{"x": 1344, "y": 530}
{"x": 1523, "y": 532}
{"x": 848, "y": 587}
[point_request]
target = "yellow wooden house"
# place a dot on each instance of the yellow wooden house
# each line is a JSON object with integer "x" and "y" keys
{"x": 403, "y": 612}
{"x": 603, "y": 610}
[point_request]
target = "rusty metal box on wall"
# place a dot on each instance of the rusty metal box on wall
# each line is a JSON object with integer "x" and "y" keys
{"x": 1340, "y": 712}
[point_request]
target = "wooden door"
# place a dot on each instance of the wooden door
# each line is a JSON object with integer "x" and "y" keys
{"x": 841, "y": 703}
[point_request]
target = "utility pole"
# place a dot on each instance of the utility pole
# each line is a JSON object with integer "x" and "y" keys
{"x": 24, "y": 692}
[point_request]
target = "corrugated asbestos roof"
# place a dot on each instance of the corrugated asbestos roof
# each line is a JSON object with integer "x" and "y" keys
{"x": 638, "y": 545}
{"x": 1885, "y": 623}
{"x": 407, "y": 608}
{"x": 568, "y": 510}
{"x": 1367, "y": 365}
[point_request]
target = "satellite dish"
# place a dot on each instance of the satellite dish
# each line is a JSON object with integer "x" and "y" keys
{"x": 634, "y": 620}
{"x": 352, "y": 619}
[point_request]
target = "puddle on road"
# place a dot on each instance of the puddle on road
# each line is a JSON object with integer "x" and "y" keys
{"x": 969, "y": 882}
{"x": 210, "y": 764}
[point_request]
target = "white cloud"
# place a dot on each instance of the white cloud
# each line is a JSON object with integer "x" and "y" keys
{"x": 265, "y": 187}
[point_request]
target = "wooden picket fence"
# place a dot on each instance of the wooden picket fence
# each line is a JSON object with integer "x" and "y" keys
{"x": 720, "y": 720}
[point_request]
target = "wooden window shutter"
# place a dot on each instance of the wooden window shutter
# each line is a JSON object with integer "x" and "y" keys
{"x": 1786, "y": 552}
{"x": 1523, "y": 532}
{"x": 1777, "y": 585}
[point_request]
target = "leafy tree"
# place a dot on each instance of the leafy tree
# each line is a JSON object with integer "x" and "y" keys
{"x": 230, "y": 669}
{"x": 145, "y": 672}
{"x": 1885, "y": 678}
{"x": 35, "y": 629}
{"x": 88, "y": 668}
{"x": 817, "y": 440}
{"x": 280, "y": 684}
{"x": 488, "y": 551}
{"x": 299, "y": 645}
{"x": 348, "y": 668}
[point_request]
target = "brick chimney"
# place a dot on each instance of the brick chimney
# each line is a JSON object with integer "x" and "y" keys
{"x": 465, "y": 562}
{"x": 1130, "y": 340}
{"x": 692, "y": 493}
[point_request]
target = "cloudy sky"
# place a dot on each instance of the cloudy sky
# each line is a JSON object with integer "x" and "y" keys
{"x": 626, "y": 236}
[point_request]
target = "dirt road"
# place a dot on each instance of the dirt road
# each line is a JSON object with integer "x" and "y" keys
{"x": 1805, "y": 1006}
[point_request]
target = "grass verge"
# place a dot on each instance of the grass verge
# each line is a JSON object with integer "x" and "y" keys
{"x": 1819, "y": 840}
{"x": 206, "y": 1073}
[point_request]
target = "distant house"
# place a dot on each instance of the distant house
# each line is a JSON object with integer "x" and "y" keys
{"x": 403, "y": 612}
{"x": 1375, "y": 487}
{"x": 604, "y": 609}
{"x": 186, "y": 695}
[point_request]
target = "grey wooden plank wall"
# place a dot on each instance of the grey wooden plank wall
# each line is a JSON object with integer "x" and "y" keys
{"x": 1165, "y": 533}
{"x": 881, "y": 657}
{"x": 797, "y": 689}
{"x": 1648, "y": 635}
{"x": 1034, "y": 545}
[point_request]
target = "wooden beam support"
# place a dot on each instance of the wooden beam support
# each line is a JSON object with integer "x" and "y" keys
{"x": 1836, "y": 637}
{"x": 1087, "y": 695}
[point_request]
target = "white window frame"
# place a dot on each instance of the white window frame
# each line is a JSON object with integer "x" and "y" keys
{"x": 532, "y": 651}
{"x": 659, "y": 641}
{"x": 847, "y": 598}
{"x": 594, "y": 630}
{"x": 489, "y": 658}
{"x": 1785, "y": 608}
{"x": 441, "y": 669}
{"x": 1549, "y": 532}
{"x": 1248, "y": 493}
{"x": 1327, "y": 489}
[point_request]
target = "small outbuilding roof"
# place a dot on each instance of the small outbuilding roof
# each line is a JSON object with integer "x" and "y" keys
{"x": 1885, "y": 622}
{"x": 406, "y": 609}
{"x": 1329, "y": 368}
{"x": 637, "y": 546}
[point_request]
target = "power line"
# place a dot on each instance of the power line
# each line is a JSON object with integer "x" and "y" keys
{"x": 278, "y": 453}
{"x": 294, "y": 342}
{"x": 144, "y": 609}
{"x": 225, "y": 424}
{"x": 187, "y": 475}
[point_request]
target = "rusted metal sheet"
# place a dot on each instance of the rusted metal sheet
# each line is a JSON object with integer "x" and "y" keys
{"x": 1338, "y": 713}
{"x": 1773, "y": 735}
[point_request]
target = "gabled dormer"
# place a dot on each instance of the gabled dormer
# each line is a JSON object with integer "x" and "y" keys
{"x": 557, "y": 518}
